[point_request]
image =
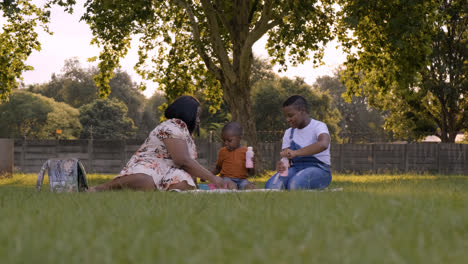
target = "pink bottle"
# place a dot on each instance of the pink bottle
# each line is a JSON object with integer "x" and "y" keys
{"x": 285, "y": 162}
{"x": 248, "y": 158}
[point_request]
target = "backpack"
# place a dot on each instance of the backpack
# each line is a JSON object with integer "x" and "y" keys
{"x": 65, "y": 175}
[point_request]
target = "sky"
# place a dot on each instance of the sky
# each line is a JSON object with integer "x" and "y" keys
{"x": 72, "y": 38}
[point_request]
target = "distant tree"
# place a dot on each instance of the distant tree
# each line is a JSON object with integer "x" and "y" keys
{"x": 269, "y": 95}
{"x": 29, "y": 115}
{"x": 106, "y": 119}
{"x": 24, "y": 115}
{"x": 63, "y": 118}
{"x": 51, "y": 89}
{"x": 410, "y": 59}
{"x": 125, "y": 90}
{"x": 262, "y": 69}
{"x": 359, "y": 122}
{"x": 151, "y": 115}
{"x": 75, "y": 86}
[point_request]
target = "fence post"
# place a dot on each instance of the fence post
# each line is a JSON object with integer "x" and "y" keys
{"x": 337, "y": 148}
{"x": 405, "y": 155}
{"x": 373, "y": 157}
{"x": 90, "y": 155}
{"x": 56, "y": 148}
{"x": 123, "y": 158}
{"x": 23, "y": 154}
{"x": 341, "y": 158}
{"x": 7, "y": 156}
{"x": 438, "y": 157}
{"x": 465, "y": 154}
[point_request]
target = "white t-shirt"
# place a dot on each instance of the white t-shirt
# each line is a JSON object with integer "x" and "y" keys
{"x": 307, "y": 136}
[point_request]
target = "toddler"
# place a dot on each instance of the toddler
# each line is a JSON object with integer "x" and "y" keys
{"x": 231, "y": 158}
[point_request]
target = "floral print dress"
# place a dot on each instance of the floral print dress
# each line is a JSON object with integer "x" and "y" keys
{"x": 153, "y": 159}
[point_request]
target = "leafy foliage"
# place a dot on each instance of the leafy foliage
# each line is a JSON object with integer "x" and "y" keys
{"x": 409, "y": 58}
{"x": 151, "y": 115}
{"x": 106, "y": 119}
{"x": 75, "y": 86}
{"x": 63, "y": 117}
{"x": 206, "y": 45}
{"x": 360, "y": 123}
{"x": 30, "y": 115}
{"x": 18, "y": 39}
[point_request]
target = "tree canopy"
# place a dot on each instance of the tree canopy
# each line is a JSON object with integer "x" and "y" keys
{"x": 106, "y": 119}
{"x": 207, "y": 45}
{"x": 360, "y": 123}
{"x": 30, "y": 115}
{"x": 409, "y": 58}
{"x": 75, "y": 86}
{"x": 18, "y": 39}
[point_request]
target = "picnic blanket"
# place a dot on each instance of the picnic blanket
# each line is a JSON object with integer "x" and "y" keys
{"x": 255, "y": 190}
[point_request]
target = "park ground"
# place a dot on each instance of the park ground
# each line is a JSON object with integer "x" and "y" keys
{"x": 374, "y": 219}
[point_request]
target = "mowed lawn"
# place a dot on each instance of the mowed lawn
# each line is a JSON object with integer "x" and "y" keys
{"x": 375, "y": 219}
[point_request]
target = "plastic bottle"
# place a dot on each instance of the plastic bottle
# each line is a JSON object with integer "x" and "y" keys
{"x": 285, "y": 162}
{"x": 248, "y": 158}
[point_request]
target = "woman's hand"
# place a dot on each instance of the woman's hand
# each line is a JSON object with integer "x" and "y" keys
{"x": 219, "y": 183}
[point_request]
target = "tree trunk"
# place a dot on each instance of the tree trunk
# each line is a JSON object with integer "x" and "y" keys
{"x": 237, "y": 97}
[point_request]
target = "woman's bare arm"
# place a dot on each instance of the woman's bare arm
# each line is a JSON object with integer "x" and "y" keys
{"x": 177, "y": 149}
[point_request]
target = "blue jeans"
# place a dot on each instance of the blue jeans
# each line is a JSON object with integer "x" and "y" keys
{"x": 307, "y": 178}
{"x": 241, "y": 183}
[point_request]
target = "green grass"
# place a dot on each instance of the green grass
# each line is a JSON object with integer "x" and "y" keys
{"x": 375, "y": 219}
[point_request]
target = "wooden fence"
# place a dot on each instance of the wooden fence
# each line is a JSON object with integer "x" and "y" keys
{"x": 104, "y": 156}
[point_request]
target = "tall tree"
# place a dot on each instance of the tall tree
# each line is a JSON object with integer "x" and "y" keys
{"x": 30, "y": 115}
{"x": 106, "y": 119}
{"x": 75, "y": 86}
{"x": 360, "y": 123}
{"x": 409, "y": 57}
{"x": 23, "y": 116}
{"x": 207, "y": 44}
{"x": 127, "y": 91}
{"x": 151, "y": 115}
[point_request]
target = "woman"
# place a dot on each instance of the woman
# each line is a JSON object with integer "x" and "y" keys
{"x": 307, "y": 146}
{"x": 166, "y": 160}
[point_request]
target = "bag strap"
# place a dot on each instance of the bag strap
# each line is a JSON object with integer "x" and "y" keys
{"x": 81, "y": 174}
{"x": 40, "y": 175}
{"x": 291, "y": 134}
